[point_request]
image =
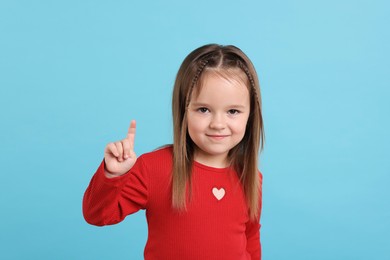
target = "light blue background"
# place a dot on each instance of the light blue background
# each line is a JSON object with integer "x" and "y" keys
{"x": 74, "y": 73}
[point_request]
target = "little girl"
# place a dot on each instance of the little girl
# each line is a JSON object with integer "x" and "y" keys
{"x": 202, "y": 195}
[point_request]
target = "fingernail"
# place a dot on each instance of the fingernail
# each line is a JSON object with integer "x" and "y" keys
{"x": 126, "y": 156}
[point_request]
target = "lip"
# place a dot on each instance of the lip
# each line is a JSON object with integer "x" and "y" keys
{"x": 217, "y": 137}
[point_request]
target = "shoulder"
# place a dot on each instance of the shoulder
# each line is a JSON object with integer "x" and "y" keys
{"x": 154, "y": 163}
{"x": 260, "y": 175}
{"x": 160, "y": 155}
{"x": 156, "y": 166}
{"x": 163, "y": 151}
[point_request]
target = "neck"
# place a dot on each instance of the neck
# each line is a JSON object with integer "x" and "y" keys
{"x": 216, "y": 161}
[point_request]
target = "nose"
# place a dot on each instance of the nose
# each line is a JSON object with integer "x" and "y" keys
{"x": 217, "y": 122}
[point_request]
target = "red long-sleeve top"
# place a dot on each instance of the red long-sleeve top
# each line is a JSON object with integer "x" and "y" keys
{"x": 216, "y": 224}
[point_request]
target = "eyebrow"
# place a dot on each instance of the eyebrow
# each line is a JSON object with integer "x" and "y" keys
{"x": 200, "y": 104}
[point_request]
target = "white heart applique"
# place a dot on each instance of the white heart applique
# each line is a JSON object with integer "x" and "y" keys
{"x": 219, "y": 193}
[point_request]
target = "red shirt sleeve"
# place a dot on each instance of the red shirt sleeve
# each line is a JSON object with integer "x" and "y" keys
{"x": 108, "y": 201}
{"x": 253, "y": 231}
{"x": 253, "y": 239}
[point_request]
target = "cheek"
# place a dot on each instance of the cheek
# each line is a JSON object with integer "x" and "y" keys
{"x": 194, "y": 129}
{"x": 192, "y": 126}
{"x": 194, "y": 133}
{"x": 196, "y": 123}
{"x": 240, "y": 127}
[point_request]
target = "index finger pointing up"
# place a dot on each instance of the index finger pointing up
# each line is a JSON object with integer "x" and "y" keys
{"x": 131, "y": 133}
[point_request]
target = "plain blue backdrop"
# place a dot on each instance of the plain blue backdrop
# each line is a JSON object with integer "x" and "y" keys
{"x": 74, "y": 73}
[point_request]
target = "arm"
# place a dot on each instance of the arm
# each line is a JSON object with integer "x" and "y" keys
{"x": 109, "y": 200}
{"x": 119, "y": 187}
{"x": 253, "y": 245}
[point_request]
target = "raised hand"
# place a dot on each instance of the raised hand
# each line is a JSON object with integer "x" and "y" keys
{"x": 119, "y": 156}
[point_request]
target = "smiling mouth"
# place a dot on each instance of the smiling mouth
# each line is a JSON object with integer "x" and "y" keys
{"x": 217, "y": 137}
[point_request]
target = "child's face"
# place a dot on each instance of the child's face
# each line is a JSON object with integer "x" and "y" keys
{"x": 217, "y": 117}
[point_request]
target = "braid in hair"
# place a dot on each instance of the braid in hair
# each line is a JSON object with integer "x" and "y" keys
{"x": 200, "y": 69}
{"x": 251, "y": 81}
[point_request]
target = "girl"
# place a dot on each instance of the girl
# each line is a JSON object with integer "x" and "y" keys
{"x": 202, "y": 195}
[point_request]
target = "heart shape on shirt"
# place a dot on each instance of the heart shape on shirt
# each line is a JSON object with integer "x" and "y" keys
{"x": 219, "y": 193}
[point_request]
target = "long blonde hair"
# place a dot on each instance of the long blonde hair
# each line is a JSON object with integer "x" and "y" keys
{"x": 244, "y": 156}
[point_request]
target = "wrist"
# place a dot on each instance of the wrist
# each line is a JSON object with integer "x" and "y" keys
{"x": 110, "y": 174}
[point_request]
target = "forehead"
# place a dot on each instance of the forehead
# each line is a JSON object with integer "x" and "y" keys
{"x": 234, "y": 76}
{"x": 221, "y": 91}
